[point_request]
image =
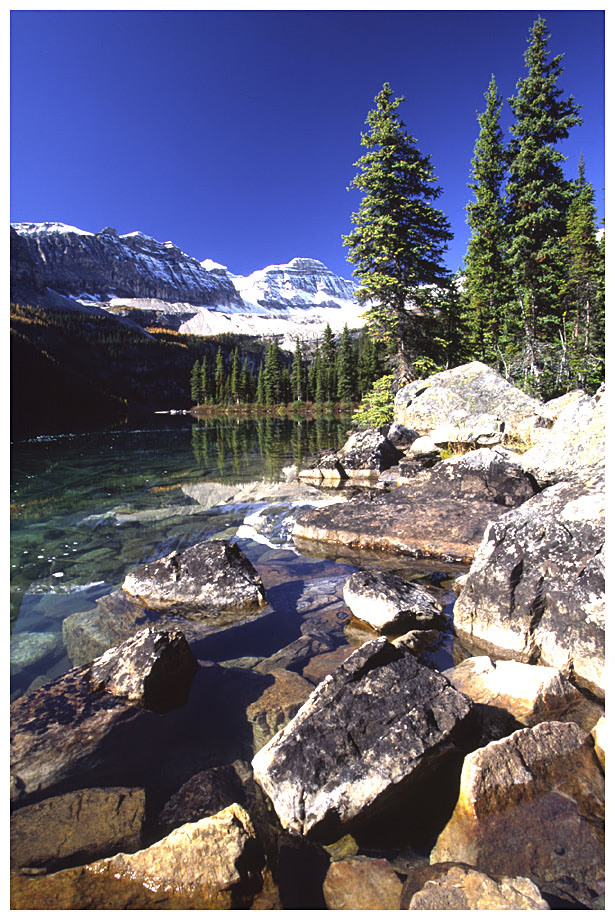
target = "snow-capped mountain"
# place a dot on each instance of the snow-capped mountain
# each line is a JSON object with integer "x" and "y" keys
{"x": 155, "y": 283}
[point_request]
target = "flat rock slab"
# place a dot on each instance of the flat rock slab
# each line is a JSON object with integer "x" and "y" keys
{"x": 58, "y": 730}
{"x": 389, "y": 604}
{"x": 536, "y": 589}
{"x": 441, "y": 515}
{"x": 77, "y": 827}
{"x": 201, "y": 582}
{"x": 374, "y": 726}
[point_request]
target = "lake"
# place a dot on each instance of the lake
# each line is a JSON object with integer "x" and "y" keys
{"x": 88, "y": 508}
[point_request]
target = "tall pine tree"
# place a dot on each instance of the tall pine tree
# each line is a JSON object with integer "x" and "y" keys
{"x": 487, "y": 290}
{"x": 399, "y": 237}
{"x": 538, "y": 199}
{"x": 583, "y": 291}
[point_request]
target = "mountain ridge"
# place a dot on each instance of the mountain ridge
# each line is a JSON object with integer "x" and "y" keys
{"x": 157, "y": 284}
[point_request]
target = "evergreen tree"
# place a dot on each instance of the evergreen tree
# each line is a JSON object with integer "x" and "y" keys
{"x": 583, "y": 291}
{"x": 345, "y": 368}
{"x": 272, "y": 373}
{"x": 235, "y": 378}
{"x": 219, "y": 380}
{"x": 538, "y": 199}
{"x": 328, "y": 367}
{"x": 260, "y": 387}
{"x": 399, "y": 237}
{"x": 195, "y": 384}
{"x": 205, "y": 381}
{"x": 297, "y": 377}
{"x": 487, "y": 289}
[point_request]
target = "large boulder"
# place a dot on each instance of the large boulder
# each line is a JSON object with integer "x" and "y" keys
{"x": 532, "y": 805}
{"x": 461, "y": 398}
{"x": 442, "y": 514}
{"x": 201, "y": 582}
{"x": 77, "y": 827}
{"x": 214, "y": 864}
{"x": 575, "y": 448}
{"x": 535, "y": 591}
{"x": 390, "y": 604}
{"x": 203, "y": 795}
{"x": 367, "y": 732}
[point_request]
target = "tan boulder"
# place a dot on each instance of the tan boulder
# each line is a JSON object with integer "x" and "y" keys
{"x": 462, "y": 888}
{"x": 361, "y": 883}
{"x": 277, "y": 705}
{"x": 531, "y": 693}
{"x": 531, "y": 805}
{"x": 77, "y": 827}
{"x": 215, "y": 864}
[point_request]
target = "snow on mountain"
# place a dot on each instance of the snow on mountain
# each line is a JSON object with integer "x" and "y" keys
{"x": 157, "y": 284}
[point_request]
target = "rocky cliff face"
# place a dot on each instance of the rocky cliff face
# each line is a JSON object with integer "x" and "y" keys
{"x": 100, "y": 266}
{"x": 158, "y": 284}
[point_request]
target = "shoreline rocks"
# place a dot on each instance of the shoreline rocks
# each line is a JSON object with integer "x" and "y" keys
{"x": 389, "y": 604}
{"x": 201, "y": 582}
{"x": 367, "y": 732}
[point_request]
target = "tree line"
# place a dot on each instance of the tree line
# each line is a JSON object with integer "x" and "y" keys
{"x": 530, "y": 298}
{"x": 337, "y": 369}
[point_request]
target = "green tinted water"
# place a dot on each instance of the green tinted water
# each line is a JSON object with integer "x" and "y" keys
{"x": 86, "y": 509}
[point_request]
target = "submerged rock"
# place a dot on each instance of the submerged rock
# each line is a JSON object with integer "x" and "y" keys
{"x": 535, "y": 591}
{"x": 532, "y": 805}
{"x": 462, "y": 888}
{"x": 200, "y": 582}
{"x": 214, "y": 864}
{"x": 277, "y": 705}
{"x": 77, "y": 827}
{"x": 389, "y": 604}
{"x": 366, "y": 733}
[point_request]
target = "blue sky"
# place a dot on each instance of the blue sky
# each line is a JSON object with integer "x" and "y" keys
{"x": 234, "y": 133}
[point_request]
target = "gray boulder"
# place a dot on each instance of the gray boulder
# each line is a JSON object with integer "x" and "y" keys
{"x": 535, "y": 591}
{"x": 401, "y": 436}
{"x": 366, "y": 733}
{"x": 389, "y": 604}
{"x": 462, "y": 396}
{"x": 201, "y": 582}
{"x": 368, "y": 453}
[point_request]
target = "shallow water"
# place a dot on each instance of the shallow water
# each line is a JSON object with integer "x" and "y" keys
{"x": 88, "y": 508}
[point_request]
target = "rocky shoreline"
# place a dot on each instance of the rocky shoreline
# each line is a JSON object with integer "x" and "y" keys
{"x": 368, "y": 778}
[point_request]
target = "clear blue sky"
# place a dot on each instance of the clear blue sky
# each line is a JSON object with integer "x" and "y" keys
{"x": 234, "y": 133}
